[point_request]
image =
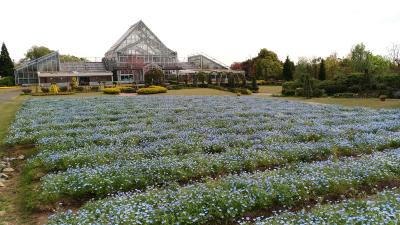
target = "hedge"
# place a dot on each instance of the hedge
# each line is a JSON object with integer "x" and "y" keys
{"x": 111, "y": 91}
{"x": 151, "y": 90}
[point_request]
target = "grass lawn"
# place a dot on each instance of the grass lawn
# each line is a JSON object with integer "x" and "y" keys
{"x": 353, "y": 102}
{"x": 270, "y": 89}
{"x": 198, "y": 92}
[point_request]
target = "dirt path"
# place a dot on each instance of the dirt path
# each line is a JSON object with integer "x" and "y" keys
{"x": 7, "y": 95}
{"x": 12, "y": 211}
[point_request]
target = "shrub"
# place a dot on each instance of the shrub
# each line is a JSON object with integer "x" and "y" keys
{"x": 245, "y": 91}
{"x": 49, "y": 94}
{"x": 382, "y": 98}
{"x": 111, "y": 91}
{"x": 7, "y": 81}
{"x": 127, "y": 90}
{"x": 396, "y": 94}
{"x": 44, "y": 89}
{"x": 64, "y": 89}
{"x": 26, "y": 91}
{"x": 95, "y": 88}
{"x": 54, "y": 89}
{"x": 331, "y": 87}
{"x": 79, "y": 89}
{"x": 299, "y": 92}
{"x": 289, "y": 88}
{"x": 152, "y": 90}
{"x": 345, "y": 95}
{"x": 154, "y": 76}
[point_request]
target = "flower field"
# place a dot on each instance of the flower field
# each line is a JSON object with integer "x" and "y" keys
{"x": 201, "y": 160}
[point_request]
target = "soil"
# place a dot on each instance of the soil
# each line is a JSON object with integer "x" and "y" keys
{"x": 10, "y": 198}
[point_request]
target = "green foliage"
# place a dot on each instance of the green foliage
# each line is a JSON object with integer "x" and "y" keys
{"x": 322, "y": 71}
{"x": 267, "y": 65}
{"x": 154, "y": 77}
{"x": 6, "y": 64}
{"x": 288, "y": 69}
{"x": 7, "y": 81}
{"x": 254, "y": 85}
{"x": 152, "y": 90}
{"x": 111, "y": 91}
{"x": 36, "y": 52}
{"x": 54, "y": 89}
{"x": 74, "y": 83}
{"x": 71, "y": 58}
{"x": 127, "y": 90}
{"x": 201, "y": 76}
{"x": 289, "y": 87}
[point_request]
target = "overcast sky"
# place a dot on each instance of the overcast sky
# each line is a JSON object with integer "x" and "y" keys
{"x": 228, "y": 30}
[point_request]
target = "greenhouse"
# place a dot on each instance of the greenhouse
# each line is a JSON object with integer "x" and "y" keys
{"x": 137, "y": 51}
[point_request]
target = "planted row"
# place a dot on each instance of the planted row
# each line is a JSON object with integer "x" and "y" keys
{"x": 384, "y": 208}
{"x": 231, "y": 197}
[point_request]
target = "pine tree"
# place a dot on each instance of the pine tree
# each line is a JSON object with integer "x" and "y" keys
{"x": 288, "y": 68}
{"x": 6, "y": 64}
{"x": 322, "y": 71}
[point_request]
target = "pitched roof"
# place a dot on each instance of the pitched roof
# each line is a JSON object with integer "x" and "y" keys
{"x": 139, "y": 34}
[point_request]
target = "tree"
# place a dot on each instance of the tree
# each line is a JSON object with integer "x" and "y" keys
{"x": 360, "y": 59}
{"x": 322, "y": 71}
{"x": 332, "y": 66}
{"x": 307, "y": 85}
{"x": 36, "y": 52}
{"x": 267, "y": 65}
{"x": 6, "y": 64}
{"x": 379, "y": 64}
{"x": 288, "y": 69}
{"x": 394, "y": 54}
{"x": 154, "y": 77}
{"x": 71, "y": 58}
{"x": 236, "y": 66}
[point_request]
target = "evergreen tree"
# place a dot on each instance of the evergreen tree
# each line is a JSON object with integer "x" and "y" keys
{"x": 254, "y": 84}
{"x": 322, "y": 71}
{"x": 288, "y": 69}
{"x": 6, "y": 64}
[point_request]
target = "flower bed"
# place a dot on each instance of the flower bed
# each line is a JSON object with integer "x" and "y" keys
{"x": 105, "y": 145}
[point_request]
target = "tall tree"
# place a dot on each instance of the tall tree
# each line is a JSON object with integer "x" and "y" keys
{"x": 360, "y": 59}
{"x": 394, "y": 54}
{"x": 322, "y": 70}
{"x": 36, "y": 52}
{"x": 6, "y": 64}
{"x": 267, "y": 65}
{"x": 288, "y": 69}
{"x": 236, "y": 66}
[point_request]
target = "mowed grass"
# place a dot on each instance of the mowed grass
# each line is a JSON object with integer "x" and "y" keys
{"x": 374, "y": 103}
{"x": 198, "y": 92}
{"x": 276, "y": 90}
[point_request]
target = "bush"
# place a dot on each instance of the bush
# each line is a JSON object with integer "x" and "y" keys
{"x": 345, "y": 95}
{"x": 331, "y": 87}
{"x": 382, "y": 98}
{"x": 396, "y": 94}
{"x": 50, "y": 94}
{"x": 54, "y": 89}
{"x": 44, "y": 89}
{"x": 152, "y": 90}
{"x": 111, "y": 91}
{"x": 289, "y": 88}
{"x": 26, "y": 91}
{"x": 7, "y": 81}
{"x": 95, "y": 88}
{"x": 244, "y": 91}
{"x": 299, "y": 92}
{"x": 64, "y": 89}
{"x": 79, "y": 89}
{"x": 127, "y": 90}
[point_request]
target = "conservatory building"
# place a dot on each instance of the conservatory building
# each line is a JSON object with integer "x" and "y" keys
{"x": 135, "y": 52}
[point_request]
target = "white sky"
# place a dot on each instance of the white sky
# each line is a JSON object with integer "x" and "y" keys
{"x": 228, "y": 30}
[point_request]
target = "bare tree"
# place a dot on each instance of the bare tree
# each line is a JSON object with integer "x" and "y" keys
{"x": 394, "y": 54}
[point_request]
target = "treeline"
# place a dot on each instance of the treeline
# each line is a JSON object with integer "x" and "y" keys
{"x": 360, "y": 73}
